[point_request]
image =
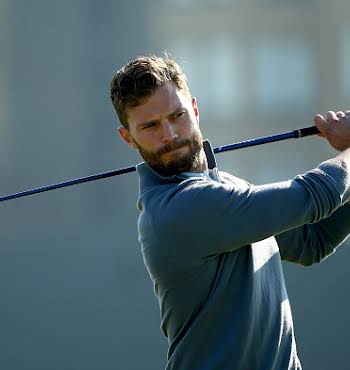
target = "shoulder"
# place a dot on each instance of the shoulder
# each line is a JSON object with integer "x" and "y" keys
{"x": 177, "y": 205}
{"x": 234, "y": 180}
{"x": 193, "y": 200}
{"x": 194, "y": 193}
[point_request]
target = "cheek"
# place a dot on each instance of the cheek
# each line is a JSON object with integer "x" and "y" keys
{"x": 194, "y": 118}
{"x": 148, "y": 140}
{"x": 192, "y": 127}
{"x": 188, "y": 124}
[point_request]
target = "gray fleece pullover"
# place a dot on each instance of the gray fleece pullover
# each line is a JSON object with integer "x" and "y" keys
{"x": 213, "y": 248}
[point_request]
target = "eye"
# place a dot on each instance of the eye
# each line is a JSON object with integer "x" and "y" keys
{"x": 179, "y": 114}
{"x": 148, "y": 125}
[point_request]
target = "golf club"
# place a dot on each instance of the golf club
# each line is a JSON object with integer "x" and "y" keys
{"x": 295, "y": 134}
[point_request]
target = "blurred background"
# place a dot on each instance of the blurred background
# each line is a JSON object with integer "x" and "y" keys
{"x": 74, "y": 291}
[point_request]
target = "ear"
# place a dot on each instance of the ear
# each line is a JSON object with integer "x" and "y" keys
{"x": 126, "y": 136}
{"x": 195, "y": 108}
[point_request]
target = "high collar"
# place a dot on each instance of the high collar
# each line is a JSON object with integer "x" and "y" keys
{"x": 148, "y": 176}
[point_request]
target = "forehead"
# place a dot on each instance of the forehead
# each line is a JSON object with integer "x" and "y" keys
{"x": 164, "y": 101}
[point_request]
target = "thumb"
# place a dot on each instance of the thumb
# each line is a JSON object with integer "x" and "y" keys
{"x": 321, "y": 124}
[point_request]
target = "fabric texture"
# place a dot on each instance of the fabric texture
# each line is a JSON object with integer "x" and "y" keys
{"x": 213, "y": 248}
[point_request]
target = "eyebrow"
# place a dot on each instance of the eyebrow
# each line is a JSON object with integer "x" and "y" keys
{"x": 177, "y": 110}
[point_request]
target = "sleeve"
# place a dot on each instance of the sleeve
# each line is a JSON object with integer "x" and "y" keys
{"x": 213, "y": 217}
{"x": 312, "y": 243}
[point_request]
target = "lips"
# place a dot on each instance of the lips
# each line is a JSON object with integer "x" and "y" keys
{"x": 175, "y": 149}
{"x": 171, "y": 148}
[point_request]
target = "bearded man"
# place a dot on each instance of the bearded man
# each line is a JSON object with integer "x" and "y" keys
{"x": 213, "y": 243}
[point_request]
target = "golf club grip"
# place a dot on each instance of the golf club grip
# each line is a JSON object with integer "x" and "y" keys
{"x": 307, "y": 131}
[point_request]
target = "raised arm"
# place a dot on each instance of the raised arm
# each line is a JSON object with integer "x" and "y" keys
{"x": 312, "y": 243}
{"x": 220, "y": 217}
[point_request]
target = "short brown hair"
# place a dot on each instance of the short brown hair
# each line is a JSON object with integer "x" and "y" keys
{"x": 140, "y": 78}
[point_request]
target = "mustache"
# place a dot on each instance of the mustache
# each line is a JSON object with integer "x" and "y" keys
{"x": 172, "y": 146}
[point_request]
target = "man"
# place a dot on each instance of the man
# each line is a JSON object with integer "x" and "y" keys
{"x": 213, "y": 243}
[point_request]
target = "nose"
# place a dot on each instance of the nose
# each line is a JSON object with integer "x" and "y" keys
{"x": 168, "y": 133}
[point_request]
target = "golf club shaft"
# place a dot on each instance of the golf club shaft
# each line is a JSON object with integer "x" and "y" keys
{"x": 307, "y": 131}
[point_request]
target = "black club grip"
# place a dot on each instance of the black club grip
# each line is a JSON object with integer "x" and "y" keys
{"x": 307, "y": 131}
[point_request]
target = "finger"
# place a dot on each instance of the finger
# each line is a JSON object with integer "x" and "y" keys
{"x": 321, "y": 124}
{"x": 340, "y": 114}
{"x": 346, "y": 118}
{"x": 331, "y": 117}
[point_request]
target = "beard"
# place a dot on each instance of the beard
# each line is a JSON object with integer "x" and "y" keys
{"x": 184, "y": 163}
